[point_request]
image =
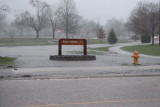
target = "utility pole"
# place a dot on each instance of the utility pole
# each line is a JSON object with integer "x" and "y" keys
{"x": 159, "y": 22}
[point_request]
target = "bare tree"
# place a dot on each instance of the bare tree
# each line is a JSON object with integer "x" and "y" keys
{"x": 118, "y": 25}
{"x": 2, "y": 19}
{"x": 3, "y": 14}
{"x": 20, "y": 24}
{"x": 159, "y": 21}
{"x": 11, "y": 31}
{"x": 52, "y": 15}
{"x": 37, "y": 22}
{"x": 88, "y": 28}
{"x": 4, "y": 8}
{"x": 144, "y": 19}
{"x": 68, "y": 17}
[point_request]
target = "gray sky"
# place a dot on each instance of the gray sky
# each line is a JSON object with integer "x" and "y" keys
{"x": 101, "y": 10}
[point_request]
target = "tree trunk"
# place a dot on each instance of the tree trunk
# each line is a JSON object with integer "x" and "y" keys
{"x": 53, "y": 33}
{"x": 152, "y": 38}
{"x": 67, "y": 28}
{"x": 66, "y": 34}
{"x": 153, "y": 29}
{"x": 159, "y": 39}
{"x": 37, "y": 34}
{"x": 53, "y": 30}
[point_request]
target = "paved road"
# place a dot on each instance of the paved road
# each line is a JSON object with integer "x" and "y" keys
{"x": 106, "y": 92}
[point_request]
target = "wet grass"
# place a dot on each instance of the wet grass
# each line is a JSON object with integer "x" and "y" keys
{"x": 144, "y": 49}
{"x": 36, "y": 42}
{"x": 6, "y": 61}
{"x": 96, "y": 41}
{"x": 81, "y": 53}
{"x": 104, "y": 41}
{"x": 25, "y": 42}
{"x": 101, "y": 48}
{"x": 94, "y": 51}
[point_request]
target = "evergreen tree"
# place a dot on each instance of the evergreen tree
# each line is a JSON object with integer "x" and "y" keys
{"x": 112, "y": 38}
{"x": 101, "y": 33}
{"x": 145, "y": 38}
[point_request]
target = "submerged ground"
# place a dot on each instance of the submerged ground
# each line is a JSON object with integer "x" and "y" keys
{"x": 36, "y": 59}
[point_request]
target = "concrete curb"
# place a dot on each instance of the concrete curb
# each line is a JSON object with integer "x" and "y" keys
{"x": 88, "y": 69}
{"x": 83, "y": 77}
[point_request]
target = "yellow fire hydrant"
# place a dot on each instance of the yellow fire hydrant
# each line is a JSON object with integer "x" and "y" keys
{"x": 135, "y": 56}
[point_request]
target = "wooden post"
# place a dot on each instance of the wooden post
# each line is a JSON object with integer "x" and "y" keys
{"x": 60, "y": 48}
{"x": 85, "y": 47}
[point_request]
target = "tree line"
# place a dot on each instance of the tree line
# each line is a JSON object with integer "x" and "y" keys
{"x": 144, "y": 21}
{"x": 64, "y": 17}
{"x": 61, "y": 17}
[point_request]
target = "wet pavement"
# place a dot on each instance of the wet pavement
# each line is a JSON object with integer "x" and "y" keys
{"x": 37, "y": 58}
{"x": 97, "y": 92}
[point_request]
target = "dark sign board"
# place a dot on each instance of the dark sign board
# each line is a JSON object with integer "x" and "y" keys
{"x": 72, "y": 41}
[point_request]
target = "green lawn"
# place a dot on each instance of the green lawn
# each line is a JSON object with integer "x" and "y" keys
{"x": 25, "y": 42}
{"x": 6, "y": 61}
{"x": 144, "y": 49}
{"x": 34, "y": 42}
{"x": 95, "y": 51}
{"x": 101, "y": 48}
{"x": 104, "y": 41}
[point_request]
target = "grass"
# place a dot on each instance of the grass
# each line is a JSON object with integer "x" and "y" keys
{"x": 104, "y": 41}
{"x": 95, "y": 51}
{"x": 96, "y": 41}
{"x": 6, "y": 61}
{"x": 101, "y": 49}
{"x": 144, "y": 49}
{"x": 35, "y": 42}
{"x": 80, "y": 52}
{"x": 24, "y": 42}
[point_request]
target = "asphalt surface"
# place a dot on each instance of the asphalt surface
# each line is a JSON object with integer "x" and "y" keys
{"x": 106, "y": 92}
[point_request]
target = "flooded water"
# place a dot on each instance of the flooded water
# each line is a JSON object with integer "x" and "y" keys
{"x": 34, "y": 61}
{"x": 38, "y": 56}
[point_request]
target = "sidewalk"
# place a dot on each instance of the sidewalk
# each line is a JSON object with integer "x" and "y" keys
{"x": 86, "y": 72}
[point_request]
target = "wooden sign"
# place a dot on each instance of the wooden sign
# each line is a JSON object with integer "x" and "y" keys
{"x": 73, "y": 42}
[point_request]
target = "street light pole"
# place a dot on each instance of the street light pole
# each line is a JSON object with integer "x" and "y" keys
{"x": 159, "y": 22}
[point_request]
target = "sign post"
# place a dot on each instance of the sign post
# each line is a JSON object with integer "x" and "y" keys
{"x": 83, "y": 57}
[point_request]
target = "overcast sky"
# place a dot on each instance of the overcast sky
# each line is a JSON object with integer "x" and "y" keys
{"x": 101, "y": 10}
